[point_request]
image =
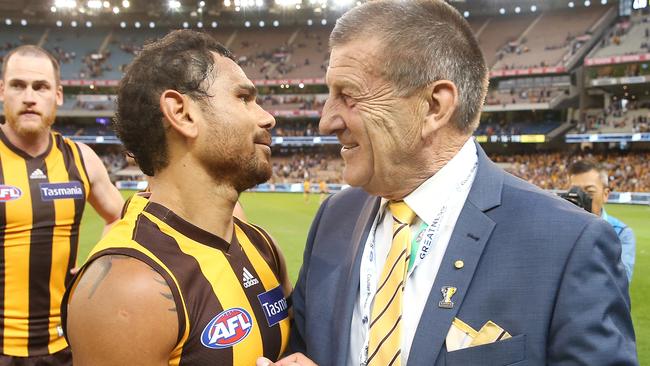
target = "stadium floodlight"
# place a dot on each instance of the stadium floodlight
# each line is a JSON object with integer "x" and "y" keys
{"x": 259, "y": 3}
{"x": 94, "y": 4}
{"x": 604, "y": 2}
{"x": 301, "y": 85}
{"x": 466, "y": 14}
{"x": 65, "y": 4}
{"x": 23, "y": 22}
{"x": 262, "y": 24}
{"x": 298, "y": 6}
{"x": 199, "y": 10}
{"x": 310, "y": 22}
{"x": 342, "y": 3}
{"x": 323, "y": 22}
{"x": 53, "y": 9}
{"x": 502, "y": 11}
{"x": 237, "y": 8}
{"x": 201, "y": 4}
{"x": 116, "y": 10}
{"x": 215, "y": 24}
{"x": 106, "y": 4}
{"x": 8, "y": 21}
{"x": 137, "y": 24}
{"x": 174, "y": 4}
{"x": 226, "y": 3}
{"x": 199, "y": 24}
{"x": 152, "y": 25}
{"x": 533, "y": 8}
{"x": 89, "y": 24}
{"x": 186, "y": 25}
{"x": 82, "y": 10}
{"x": 276, "y": 23}
{"x": 587, "y": 3}
{"x": 571, "y": 4}
{"x": 247, "y": 24}
{"x": 59, "y": 23}
{"x": 122, "y": 24}
{"x": 126, "y": 3}
{"x": 73, "y": 24}
{"x": 517, "y": 10}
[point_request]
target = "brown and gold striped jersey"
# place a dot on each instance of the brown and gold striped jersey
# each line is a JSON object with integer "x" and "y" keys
{"x": 42, "y": 200}
{"x": 231, "y": 306}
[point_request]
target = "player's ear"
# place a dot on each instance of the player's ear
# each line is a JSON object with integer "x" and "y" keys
{"x": 175, "y": 107}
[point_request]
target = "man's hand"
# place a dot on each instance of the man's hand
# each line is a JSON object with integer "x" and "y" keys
{"x": 296, "y": 359}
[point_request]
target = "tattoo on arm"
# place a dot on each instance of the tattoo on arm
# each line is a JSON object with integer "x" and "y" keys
{"x": 167, "y": 293}
{"x": 105, "y": 264}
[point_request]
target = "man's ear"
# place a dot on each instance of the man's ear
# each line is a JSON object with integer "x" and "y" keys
{"x": 59, "y": 95}
{"x": 442, "y": 100}
{"x": 175, "y": 108}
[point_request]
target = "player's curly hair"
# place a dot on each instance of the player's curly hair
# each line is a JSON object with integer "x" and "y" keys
{"x": 182, "y": 61}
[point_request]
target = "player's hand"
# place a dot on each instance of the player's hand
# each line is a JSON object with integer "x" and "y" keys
{"x": 296, "y": 359}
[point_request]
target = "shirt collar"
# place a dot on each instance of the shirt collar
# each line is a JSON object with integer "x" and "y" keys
{"x": 603, "y": 214}
{"x": 425, "y": 199}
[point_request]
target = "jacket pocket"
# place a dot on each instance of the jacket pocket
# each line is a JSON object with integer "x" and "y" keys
{"x": 501, "y": 353}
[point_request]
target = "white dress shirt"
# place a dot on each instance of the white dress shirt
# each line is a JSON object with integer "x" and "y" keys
{"x": 437, "y": 201}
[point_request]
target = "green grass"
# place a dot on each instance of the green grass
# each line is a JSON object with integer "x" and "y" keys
{"x": 287, "y": 218}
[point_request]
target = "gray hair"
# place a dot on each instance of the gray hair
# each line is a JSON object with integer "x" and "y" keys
{"x": 423, "y": 41}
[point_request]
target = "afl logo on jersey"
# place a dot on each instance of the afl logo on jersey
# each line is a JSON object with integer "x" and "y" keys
{"x": 9, "y": 193}
{"x": 227, "y": 329}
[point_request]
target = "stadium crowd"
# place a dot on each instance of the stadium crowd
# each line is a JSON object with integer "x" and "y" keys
{"x": 627, "y": 172}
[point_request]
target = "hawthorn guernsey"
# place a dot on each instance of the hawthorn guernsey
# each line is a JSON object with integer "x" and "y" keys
{"x": 53, "y": 191}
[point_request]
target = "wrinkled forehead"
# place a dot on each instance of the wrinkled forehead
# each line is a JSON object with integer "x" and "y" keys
{"x": 29, "y": 68}
{"x": 356, "y": 59}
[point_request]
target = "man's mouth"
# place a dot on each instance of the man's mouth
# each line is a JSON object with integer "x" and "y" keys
{"x": 349, "y": 146}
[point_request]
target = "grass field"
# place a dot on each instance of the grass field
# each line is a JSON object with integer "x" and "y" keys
{"x": 287, "y": 217}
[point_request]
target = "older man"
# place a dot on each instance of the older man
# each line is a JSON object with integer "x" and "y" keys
{"x": 439, "y": 257}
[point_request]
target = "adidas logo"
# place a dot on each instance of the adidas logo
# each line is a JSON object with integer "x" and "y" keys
{"x": 248, "y": 279}
{"x": 37, "y": 174}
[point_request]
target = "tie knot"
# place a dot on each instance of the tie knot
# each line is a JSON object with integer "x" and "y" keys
{"x": 401, "y": 211}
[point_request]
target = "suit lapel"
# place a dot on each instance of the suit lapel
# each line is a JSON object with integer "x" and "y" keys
{"x": 351, "y": 285}
{"x": 467, "y": 242}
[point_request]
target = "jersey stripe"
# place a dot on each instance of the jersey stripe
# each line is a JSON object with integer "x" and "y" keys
{"x": 62, "y": 241}
{"x": 3, "y": 224}
{"x": 268, "y": 278}
{"x": 16, "y": 304}
{"x": 40, "y": 260}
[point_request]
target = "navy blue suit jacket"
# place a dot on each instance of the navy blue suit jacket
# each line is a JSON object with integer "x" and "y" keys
{"x": 539, "y": 267}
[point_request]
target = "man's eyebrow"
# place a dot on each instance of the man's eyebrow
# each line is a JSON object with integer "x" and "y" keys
{"x": 250, "y": 88}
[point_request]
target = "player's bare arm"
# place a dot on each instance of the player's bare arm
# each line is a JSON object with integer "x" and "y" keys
{"x": 103, "y": 196}
{"x": 125, "y": 314}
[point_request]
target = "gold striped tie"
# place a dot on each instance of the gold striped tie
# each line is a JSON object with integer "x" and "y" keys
{"x": 385, "y": 335}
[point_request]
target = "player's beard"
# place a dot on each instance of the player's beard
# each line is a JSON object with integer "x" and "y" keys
{"x": 230, "y": 163}
{"x": 31, "y": 129}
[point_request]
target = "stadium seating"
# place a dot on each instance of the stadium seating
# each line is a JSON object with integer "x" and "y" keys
{"x": 627, "y": 37}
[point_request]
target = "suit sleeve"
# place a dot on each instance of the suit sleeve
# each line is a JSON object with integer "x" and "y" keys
{"x": 296, "y": 338}
{"x": 591, "y": 322}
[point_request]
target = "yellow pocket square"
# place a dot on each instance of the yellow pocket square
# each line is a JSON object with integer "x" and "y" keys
{"x": 461, "y": 335}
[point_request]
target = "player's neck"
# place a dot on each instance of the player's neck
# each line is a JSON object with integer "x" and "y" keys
{"x": 33, "y": 145}
{"x": 196, "y": 198}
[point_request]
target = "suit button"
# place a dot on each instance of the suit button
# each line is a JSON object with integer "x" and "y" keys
{"x": 459, "y": 264}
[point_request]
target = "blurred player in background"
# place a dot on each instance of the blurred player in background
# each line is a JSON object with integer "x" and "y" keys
{"x": 324, "y": 190}
{"x": 45, "y": 180}
{"x": 591, "y": 178}
{"x": 306, "y": 188}
{"x": 179, "y": 280}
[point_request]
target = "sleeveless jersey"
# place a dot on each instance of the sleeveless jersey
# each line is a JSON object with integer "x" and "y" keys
{"x": 230, "y": 305}
{"x": 41, "y": 203}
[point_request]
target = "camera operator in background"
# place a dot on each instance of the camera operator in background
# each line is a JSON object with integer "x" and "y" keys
{"x": 593, "y": 180}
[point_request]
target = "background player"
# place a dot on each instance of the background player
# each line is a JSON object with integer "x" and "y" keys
{"x": 46, "y": 180}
